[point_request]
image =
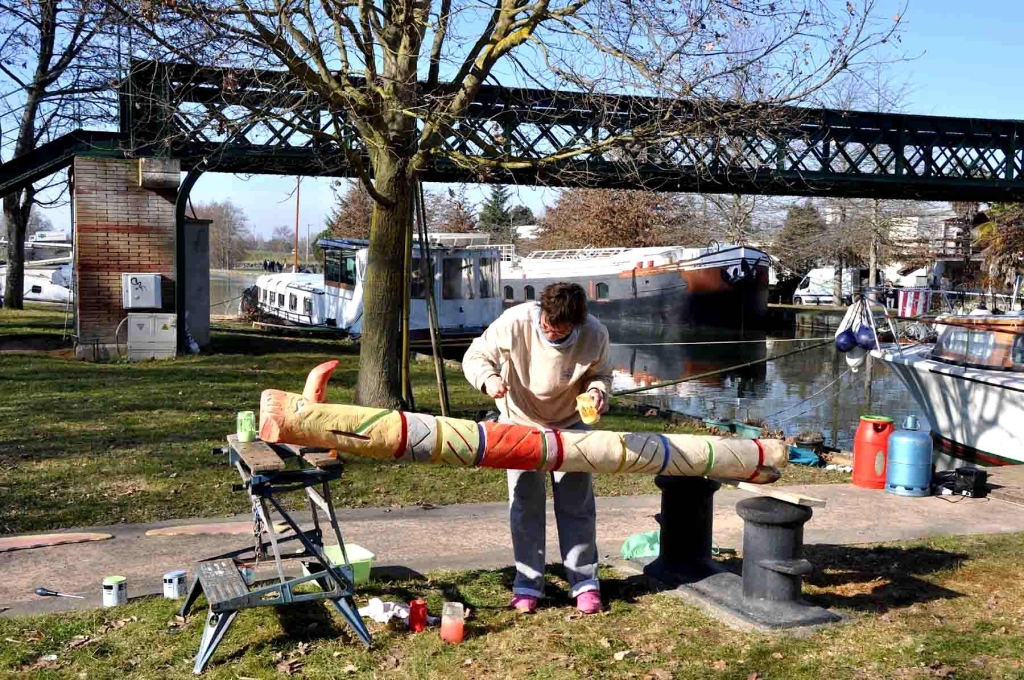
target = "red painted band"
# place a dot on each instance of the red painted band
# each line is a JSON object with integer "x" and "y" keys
{"x": 560, "y": 455}
{"x": 404, "y": 439}
{"x": 760, "y": 459}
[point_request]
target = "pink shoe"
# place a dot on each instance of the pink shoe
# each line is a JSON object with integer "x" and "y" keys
{"x": 589, "y": 602}
{"x": 524, "y": 604}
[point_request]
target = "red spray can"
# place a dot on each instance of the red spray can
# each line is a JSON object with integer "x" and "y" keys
{"x": 418, "y": 616}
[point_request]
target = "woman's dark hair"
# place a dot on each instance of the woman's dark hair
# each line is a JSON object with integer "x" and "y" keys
{"x": 564, "y": 303}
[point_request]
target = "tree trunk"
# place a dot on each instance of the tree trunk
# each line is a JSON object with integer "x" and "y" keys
{"x": 837, "y": 283}
{"x": 876, "y": 215}
{"x": 380, "y": 347}
{"x": 16, "y": 213}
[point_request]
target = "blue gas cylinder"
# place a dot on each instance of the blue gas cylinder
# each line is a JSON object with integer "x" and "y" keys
{"x": 909, "y": 469}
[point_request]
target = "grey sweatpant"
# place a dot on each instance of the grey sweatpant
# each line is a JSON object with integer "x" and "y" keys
{"x": 575, "y": 516}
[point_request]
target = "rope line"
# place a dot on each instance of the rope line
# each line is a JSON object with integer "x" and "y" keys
{"x": 708, "y": 374}
{"x": 811, "y": 408}
{"x": 711, "y": 342}
{"x": 802, "y": 401}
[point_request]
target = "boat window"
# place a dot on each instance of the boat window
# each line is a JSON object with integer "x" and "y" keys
{"x": 529, "y": 293}
{"x": 263, "y": 294}
{"x": 280, "y": 299}
{"x": 980, "y": 346}
{"x": 1018, "y": 350}
{"x": 488, "y": 277}
{"x": 340, "y": 268}
{"x": 37, "y": 289}
{"x": 457, "y": 278}
{"x": 417, "y": 288}
{"x": 602, "y": 291}
{"x": 307, "y": 307}
{"x": 509, "y": 293}
{"x": 293, "y": 301}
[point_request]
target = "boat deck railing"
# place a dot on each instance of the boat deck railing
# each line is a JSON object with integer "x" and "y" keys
{"x": 576, "y": 254}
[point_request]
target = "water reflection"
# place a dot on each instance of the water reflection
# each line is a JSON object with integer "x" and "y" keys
{"x": 226, "y": 289}
{"x": 793, "y": 393}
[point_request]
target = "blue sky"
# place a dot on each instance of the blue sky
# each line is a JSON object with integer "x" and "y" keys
{"x": 966, "y": 60}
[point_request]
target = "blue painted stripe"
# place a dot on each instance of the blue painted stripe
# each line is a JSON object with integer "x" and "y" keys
{"x": 483, "y": 445}
{"x": 664, "y": 442}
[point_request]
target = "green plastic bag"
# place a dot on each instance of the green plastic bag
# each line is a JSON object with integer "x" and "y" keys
{"x": 647, "y": 544}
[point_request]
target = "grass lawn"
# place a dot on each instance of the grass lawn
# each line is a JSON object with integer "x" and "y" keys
{"x": 88, "y": 444}
{"x": 946, "y": 608}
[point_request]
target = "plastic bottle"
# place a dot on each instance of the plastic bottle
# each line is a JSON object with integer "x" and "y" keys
{"x": 418, "y": 616}
{"x": 452, "y": 622}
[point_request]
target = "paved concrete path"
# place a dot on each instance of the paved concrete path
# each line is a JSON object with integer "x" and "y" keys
{"x": 471, "y": 537}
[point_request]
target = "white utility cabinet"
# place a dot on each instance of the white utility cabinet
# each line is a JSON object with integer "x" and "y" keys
{"x": 140, "y": 291}
{"x": 152, "y": 336}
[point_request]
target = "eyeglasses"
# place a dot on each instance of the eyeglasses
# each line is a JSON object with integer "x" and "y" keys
{"x": 555, "y": 331}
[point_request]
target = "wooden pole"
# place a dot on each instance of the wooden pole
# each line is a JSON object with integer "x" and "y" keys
{"x": 295, "y": 251}
{"x": 429, "y": 280}
{"x": 407, "y": 285}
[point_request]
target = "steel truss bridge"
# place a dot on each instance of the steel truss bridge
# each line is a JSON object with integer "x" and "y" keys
{"x": 203, "y": 116}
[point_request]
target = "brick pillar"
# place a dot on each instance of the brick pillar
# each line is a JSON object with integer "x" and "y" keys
{"x": 120, "y": 226}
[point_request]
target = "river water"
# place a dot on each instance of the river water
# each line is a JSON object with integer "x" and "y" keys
{"x": 226, "y": 289}
{"x": 809, "y": 391}
{"x": 813, "y": 390}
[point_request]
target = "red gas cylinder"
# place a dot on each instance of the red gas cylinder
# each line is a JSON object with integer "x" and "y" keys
{"x": 871, "y": 451}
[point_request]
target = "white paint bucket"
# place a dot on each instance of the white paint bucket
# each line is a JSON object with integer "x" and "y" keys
{"x": 174, "y": 585}
{"x": 115, "y": 591}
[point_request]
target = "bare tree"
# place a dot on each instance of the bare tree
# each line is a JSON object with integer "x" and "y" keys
{"x": 55, "y": 76}
{"x": 450, "y": 211}
{"x": 352, "y": 213}
{"x": 229, "y": 232}
{"x": 402, "y": 74}
{"x": 608, "y": 218}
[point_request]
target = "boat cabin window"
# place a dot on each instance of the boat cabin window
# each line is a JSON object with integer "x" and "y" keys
{"x": 509, "y": 293}
{"x": 340, "y": 268}
{"x": 417, "y": 287}
{"x": 293, "y": 301}
{"x": 969, "y": 346}
{"x": 37, "y": 289}
{"x": 488, "y": 277}
{"x": 602, "y": 291}
{"x": 307, "y": 307}
{"x": 457, "y": 278}
{"x": 280, "y": 299}
{"x": 529, "y": 293}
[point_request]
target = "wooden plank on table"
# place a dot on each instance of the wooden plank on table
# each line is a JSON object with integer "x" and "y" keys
{"x": 318, "y": 458}
{"x": 257, "y": 455}
{"x": 795, "y": 498}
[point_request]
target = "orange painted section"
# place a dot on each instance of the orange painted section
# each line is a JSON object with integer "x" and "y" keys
{"x": 512, "y": 447}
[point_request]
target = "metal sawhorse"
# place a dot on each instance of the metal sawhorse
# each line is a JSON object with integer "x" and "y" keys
{"x": 263, "y": 470}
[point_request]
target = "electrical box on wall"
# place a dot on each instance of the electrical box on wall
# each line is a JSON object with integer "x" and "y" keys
{"x": 140, "y": 291}
{"x": 152, "y": 336}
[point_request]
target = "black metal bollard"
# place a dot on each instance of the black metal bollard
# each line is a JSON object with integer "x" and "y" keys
{"x": 687, "y": 511}
{"x": 773, "y": 537}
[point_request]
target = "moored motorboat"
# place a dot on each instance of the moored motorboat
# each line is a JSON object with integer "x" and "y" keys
{"x": 970, "y": 385}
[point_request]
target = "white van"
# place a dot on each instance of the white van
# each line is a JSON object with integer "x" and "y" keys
{"x": 816, "y": 286}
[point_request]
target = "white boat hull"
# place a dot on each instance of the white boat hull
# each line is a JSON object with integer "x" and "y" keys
{"x": 979, "y": 412}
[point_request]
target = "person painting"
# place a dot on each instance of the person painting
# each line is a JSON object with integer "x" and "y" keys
{"x": 534, "y": 360}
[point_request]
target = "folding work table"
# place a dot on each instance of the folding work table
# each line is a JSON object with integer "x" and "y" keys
{"x": 266, "y": 473}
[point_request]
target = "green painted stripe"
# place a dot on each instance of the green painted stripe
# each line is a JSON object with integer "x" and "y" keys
{"x": 543, "y": 450}
{"x": 711, "y": 459}
{"x": 366, "y": 424}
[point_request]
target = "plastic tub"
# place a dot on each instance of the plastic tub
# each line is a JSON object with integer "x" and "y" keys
{"x": 360, "y": 557}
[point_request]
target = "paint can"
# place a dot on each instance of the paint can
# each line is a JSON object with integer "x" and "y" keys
{"x": 115, "y": 591}
{"x": 174, "y": 585}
